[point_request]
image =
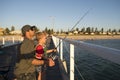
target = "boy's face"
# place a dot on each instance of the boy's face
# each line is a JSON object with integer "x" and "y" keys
{"x": 44, "y": 38}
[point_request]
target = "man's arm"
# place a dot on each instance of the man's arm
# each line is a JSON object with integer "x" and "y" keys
{"x": 37, "y": 62}
{"x": 48, "y": 62}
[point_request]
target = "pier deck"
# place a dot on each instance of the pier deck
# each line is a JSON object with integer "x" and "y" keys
{"x": 53, "y": 73}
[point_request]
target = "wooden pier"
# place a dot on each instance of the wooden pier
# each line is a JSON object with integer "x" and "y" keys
{"x": 9, "y": 57}
{"x": 57, "y": 72}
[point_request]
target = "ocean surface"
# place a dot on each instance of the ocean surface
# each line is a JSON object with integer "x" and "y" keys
{"x": 91, "y": 66}
{"x": 9, "y": 42}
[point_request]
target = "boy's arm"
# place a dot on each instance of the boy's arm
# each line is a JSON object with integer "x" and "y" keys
{"x": 51, "y": 50}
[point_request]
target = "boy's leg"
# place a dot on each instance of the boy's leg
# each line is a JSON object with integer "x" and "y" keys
{"x": 43, "y": 75}
{"x": 39, "y": 76}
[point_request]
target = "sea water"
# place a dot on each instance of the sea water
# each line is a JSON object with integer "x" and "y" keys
{"x": 91, "y": 66}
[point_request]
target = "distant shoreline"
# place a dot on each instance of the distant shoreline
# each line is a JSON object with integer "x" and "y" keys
{"x": 75, "y": 37}
{"x": 91, "y": 37}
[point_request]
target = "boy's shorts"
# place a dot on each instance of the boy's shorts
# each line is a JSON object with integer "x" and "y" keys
{"x": 39, "y": 68}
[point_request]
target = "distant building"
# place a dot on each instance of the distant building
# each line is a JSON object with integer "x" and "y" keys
{"x": 70, "y": 33}
{"x": 118, "y": 33}
{"x": 1, "y": 31}
{"x": 75, "y": 32}
{"x": 15, "y": 32}
{"x": 86, "y": 32}
{"x": 92, "y": 33}
{"x": 104, "y": 32}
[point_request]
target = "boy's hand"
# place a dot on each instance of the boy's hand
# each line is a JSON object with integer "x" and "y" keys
{"x": 55, "y": 50}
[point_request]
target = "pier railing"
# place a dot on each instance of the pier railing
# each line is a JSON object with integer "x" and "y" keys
{"x": 110, "y": 54}
{"x": 10, "y": 39}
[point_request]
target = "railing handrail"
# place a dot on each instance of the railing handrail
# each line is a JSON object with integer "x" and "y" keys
{"x": 101, "y": 51}
{"x": 10, "y": 38}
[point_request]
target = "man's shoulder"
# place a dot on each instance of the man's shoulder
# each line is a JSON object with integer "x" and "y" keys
{"x": 27, "y": 46}
{"x": 27, "y": 41}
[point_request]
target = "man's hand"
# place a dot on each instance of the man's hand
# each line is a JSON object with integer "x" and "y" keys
{"x": 51, "y": 62}
{"x": 37, "y": 62}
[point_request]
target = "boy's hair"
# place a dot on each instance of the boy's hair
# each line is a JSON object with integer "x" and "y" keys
{"x": 39, "y": 35}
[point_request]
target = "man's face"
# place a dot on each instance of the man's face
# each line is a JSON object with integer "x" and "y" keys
{"x": 32, "y": 33}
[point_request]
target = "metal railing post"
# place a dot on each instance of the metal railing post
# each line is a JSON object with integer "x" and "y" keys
{"x": 58, "y": 49}
{"x": 3, "y": 42}
{"x": 71, "y": 62}
{"x": 61, "y": 50}
{"x": 13, "y": 39}
{"x": 55, "y": 40}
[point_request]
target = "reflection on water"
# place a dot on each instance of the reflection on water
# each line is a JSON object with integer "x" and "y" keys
{"x": 93, "y": 67}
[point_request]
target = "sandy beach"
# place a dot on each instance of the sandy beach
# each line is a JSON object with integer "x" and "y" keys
{"x": 91, "y": 37}
{"x": 76, "y": 37}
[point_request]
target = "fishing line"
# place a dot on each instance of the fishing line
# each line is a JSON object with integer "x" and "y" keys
{"x": 75, "y": 25}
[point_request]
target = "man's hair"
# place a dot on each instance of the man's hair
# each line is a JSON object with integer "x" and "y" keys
{"x": 26, "y": 28}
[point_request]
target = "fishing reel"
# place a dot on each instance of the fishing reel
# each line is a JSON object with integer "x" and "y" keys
{"x": 53, "y": 56}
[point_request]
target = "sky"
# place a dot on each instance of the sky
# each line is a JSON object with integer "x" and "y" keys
{"x": 60, "y": 14}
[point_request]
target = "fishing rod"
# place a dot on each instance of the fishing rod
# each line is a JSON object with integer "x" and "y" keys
{"x": 75, "y": 26}
{"x": 54, "y": 56}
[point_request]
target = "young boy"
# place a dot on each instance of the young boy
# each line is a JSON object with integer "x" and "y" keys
{"x": 41, "y": 51}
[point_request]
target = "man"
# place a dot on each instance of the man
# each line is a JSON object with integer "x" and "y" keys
{"x": 27, "y": 53}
